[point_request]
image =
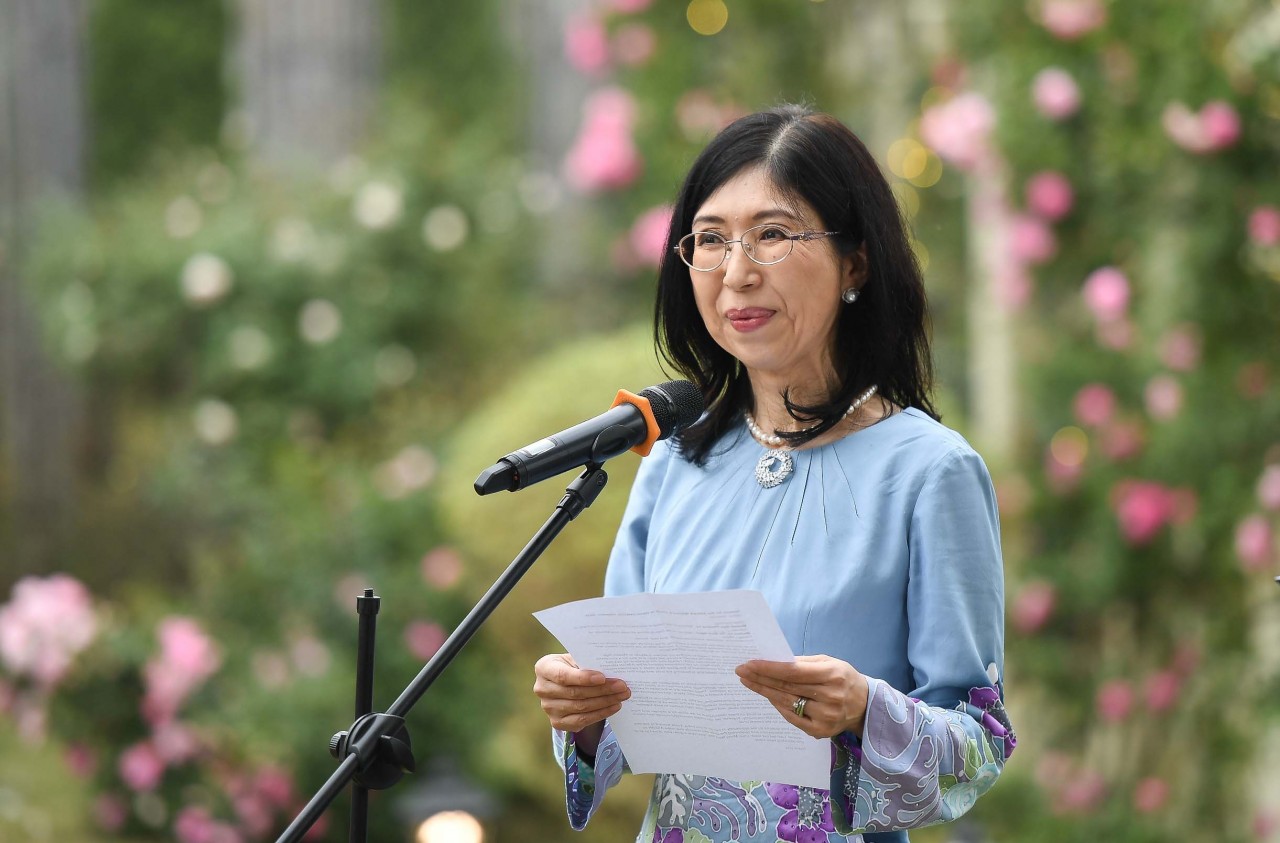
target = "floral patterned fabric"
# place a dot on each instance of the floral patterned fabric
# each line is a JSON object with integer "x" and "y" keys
{"x": 887, "y": 557}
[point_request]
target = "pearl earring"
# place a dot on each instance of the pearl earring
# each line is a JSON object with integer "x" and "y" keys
{"x": 849, "y": 296}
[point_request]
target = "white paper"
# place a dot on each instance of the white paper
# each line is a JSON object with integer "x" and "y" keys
{"x": 688, "y": 712}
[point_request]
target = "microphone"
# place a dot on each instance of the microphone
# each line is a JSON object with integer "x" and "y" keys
{"x": 634, "y": 422}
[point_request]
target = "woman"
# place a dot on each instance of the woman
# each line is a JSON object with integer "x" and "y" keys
{"x": 821, "y": 476}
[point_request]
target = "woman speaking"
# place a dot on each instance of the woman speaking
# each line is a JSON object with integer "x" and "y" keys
{"x": 820, "y": 476}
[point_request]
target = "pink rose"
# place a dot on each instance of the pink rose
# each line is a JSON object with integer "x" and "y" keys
{"x": 141, "y": 767}
{"x": 1081, "y": 794}
{"x": 109, "y": 812}
{"x": 1163, "y": 396}
{"x": 959, "y": 130}
{"x": 187, "y": 658}
{"x": 648, "y": 236}
{"x": 1106, "y": 294}
{"x": 1114, "y": 700}
{"x": 442, "y": 568}
{"x": 1094, "y": 405}
{"x": 603, "y": 157}
{"x": 1033, "y": 606}
{"x": 47, "y": 622}
{"x": 1072, "y": 19}
{"x": 1031, "y": 241}
{"x": 1180, "y": 348}
{"x": 1269, "y": 487}
{"x": 276, "y": 786}
{"x": 1255, "y": 543}
{"x": 1161, "y": 690}
{"x": 1216, "y": 126}
{"x": 423, "y": 638}
{"x": 1122, "y": 440}
{"x": 1150, "y": 795}
{"x": 634, "y": 44}
{"x": 1264, "y": 225}
{"x": 194, "y": 824}
{"x": 1049, "y": 195}
{"x": 586, "y": 44}
{"x": 1055, "y": 93}
{"x": 1142, "y": 509}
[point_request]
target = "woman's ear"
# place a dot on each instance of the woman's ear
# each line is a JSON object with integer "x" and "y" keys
{"x": 854, "y": 269}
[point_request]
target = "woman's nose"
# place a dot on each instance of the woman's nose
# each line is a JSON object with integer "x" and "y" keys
{"x": 739, "y": 270}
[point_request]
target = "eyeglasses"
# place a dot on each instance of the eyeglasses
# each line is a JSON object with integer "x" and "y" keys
{"x": 765, "y": 244}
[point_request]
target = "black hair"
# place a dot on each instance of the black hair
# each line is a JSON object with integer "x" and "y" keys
{"x": 881, "y": 339}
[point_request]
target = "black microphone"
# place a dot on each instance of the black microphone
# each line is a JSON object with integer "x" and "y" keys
{"x": 635, "y": 422}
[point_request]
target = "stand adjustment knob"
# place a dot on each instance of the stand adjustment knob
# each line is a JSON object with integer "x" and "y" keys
{"x": 336, "y": 744}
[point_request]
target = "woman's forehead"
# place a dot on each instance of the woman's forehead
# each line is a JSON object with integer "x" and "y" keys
{"x": 752, "y": 197}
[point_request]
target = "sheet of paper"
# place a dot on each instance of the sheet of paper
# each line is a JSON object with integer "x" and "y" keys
{"x": 688, "y": 713}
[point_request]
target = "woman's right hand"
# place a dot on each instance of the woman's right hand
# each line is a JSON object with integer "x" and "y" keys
{"x": 574, "y": 699}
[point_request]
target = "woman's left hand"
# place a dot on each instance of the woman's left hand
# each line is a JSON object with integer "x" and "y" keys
{"x": 835, "y": 693}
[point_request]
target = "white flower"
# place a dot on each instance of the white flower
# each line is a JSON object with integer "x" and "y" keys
{"x": 205, "y": 279}
{"x": 215, "y": 421}
{"x": 250, "y": 347}
{"x": 378, "y": 205}
{"x": 445, "y": 228}
{"x": 320, "y": 321}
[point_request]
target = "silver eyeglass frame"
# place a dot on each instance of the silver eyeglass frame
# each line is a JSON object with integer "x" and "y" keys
{"x": 803, "y": 236}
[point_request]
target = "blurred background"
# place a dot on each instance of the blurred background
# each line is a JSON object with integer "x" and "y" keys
{"x": 278, "y": 278}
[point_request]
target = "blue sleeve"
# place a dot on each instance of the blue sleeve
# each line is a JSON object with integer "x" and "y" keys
{"x": 926, "y": 756}
{"x": 587, "y": 783}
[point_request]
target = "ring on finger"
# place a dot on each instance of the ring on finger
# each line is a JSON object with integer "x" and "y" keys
{"x": 798, "y": 706}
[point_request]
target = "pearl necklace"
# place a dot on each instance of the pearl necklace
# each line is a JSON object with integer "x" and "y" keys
{"x": 776, "y": 465}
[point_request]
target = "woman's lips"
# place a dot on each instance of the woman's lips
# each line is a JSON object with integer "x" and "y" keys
{"x": 748, "y": 318}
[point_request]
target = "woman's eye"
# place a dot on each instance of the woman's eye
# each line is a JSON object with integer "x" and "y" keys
{"x": 709, "y": 238}
{"x": 774, "y": 233}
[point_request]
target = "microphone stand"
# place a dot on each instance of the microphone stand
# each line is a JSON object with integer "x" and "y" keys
{"x": 376, "y": 751}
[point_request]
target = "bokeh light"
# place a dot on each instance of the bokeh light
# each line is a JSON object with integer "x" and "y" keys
{"x": 707, "y": 17}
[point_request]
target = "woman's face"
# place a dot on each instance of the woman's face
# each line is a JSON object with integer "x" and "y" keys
{"x": 778, "y": 320}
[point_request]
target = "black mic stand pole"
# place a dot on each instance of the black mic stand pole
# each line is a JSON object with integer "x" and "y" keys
{"x": 376, "y": 751}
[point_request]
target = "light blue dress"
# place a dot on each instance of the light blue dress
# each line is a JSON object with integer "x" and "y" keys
{"x": 882, "y": 549}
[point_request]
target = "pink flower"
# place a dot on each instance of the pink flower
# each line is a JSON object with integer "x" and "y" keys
{"x": 1033, "y": 606}
{"x": 141, "y": 767}
{"x": 1161, "y": 690}
{"x": 1114, "y": 700}
{"x": 649, "y": 234}
{"x": 1163, "y": 396}
{"x": 1055, "y": 93}
{"x": 1122, "y": 440}
{"x": 110, "y": 812}
{"x": 1255, "y": 543}
{"x": 442, "y": 568}
{"x": 603, "y": 157}
{"x": 1264, "y": 225}
{"x": 1071, "y": 19}
{"x": 253, "y": 812}
{"x": 959, "y": 130}
{"x": 194, "y": 824}
{"x": 1106, "y": 294}
{"x": 1150, "y": 795}
{"x": 81, "y": 760}
{"x": 1269, "y": 487}
{"x": 1031, "y": 241}
{"x": 1142, "y": 508}
{"x": 1081, "y": 794}
{"x": 188, "y": 657}
{"x": 423, "y": 638}
{"x": 175, "y": 743}
{"x": 586, "y": 44}
{"x": 634, "y": 44}
{"x": 1216, "y": 126}
{"x": 1049, "y": 195}
{"x": 276, "y": 786}
{"x": 1116, "y": 334}
{"x": 1180, "y": 348}
{"x": 47, "y": 622}
{"x": 1094, "y": 405}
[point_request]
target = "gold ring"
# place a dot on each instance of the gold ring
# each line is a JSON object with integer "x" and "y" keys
{"x": 798, "y": 706}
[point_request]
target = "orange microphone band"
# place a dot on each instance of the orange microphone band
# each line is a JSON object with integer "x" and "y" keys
{"x": 642, "y": 404}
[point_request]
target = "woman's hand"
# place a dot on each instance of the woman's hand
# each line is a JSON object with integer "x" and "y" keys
{"x": 835, "y": 693}
{"x": 573, "y": 698}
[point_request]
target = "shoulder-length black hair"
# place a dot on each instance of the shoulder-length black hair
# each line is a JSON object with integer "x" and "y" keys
{"x": 881, "y": 339}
